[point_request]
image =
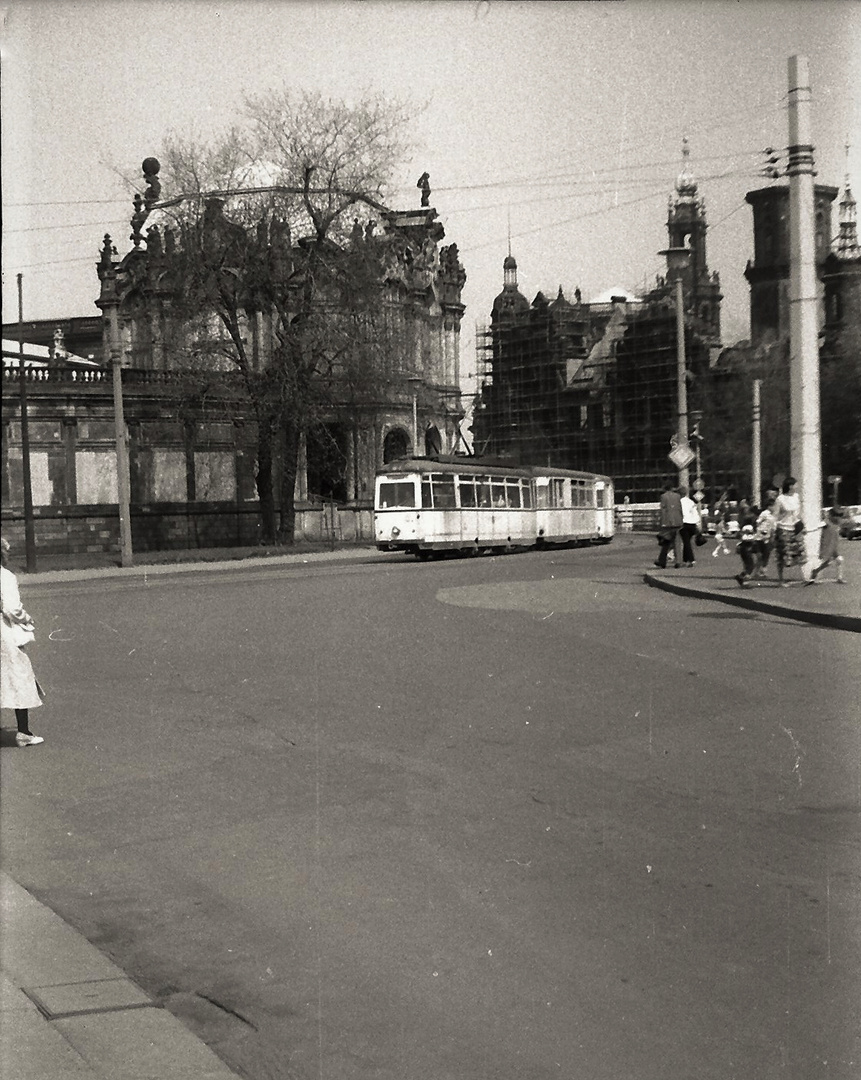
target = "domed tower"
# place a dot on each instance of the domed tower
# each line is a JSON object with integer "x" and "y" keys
{"x": 841, "y": 273}
{"x": 686, "y": 228}
{"x": 511, "y": 302}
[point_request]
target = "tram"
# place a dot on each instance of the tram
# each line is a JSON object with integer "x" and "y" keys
{"x": 469, "y": 505}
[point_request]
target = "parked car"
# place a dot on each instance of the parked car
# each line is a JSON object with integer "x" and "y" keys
{"x": 850, "y": 526}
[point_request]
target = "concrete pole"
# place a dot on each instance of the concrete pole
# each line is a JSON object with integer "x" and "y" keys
{"x": 681, "y": 378}
{"x": 756, "y": 455}
{"x": 806, "y": 458}
{"x": 123, "y": 495}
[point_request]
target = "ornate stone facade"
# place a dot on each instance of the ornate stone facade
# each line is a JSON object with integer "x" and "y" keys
{"x": 191, "y": 431}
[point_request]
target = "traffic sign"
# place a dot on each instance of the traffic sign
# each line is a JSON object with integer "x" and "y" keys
{"x": 681, "y": 456}
{"x": 835, "y": 479}
{"x": 699, "y": 484}
{"x": 698, "y": 495}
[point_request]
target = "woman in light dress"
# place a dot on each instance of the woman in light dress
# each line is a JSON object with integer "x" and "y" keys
{"x": 789, "y": 546}
{"x": 18, "y": 687}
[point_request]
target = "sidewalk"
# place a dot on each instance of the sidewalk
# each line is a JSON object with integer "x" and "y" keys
{"x": 824, "y": 604}
{"x": 69, "y": 1013}
{"x": 64, "y": 568}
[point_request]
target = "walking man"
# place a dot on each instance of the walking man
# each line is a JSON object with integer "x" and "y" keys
{"x": 671, "y": 524}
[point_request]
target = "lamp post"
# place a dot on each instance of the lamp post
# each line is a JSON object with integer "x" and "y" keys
{"x": 109, "y": 304}
{"x": 678, "y": 259}
{"x": 756, "y": 468}
{"x": 415, "y": 382}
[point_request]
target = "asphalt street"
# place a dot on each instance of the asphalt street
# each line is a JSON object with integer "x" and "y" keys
{"x": 504, "y": 817}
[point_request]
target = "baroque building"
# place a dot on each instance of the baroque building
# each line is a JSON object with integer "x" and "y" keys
{"x": 191, "y": 429}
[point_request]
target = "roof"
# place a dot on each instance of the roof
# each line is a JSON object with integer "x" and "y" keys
{"x": 609, "y": 295}
{"x": 39, "y": 356}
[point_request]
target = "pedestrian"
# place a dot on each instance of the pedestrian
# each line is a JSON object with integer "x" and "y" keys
{"x": 691, "y": 525}
{"x": 764, "y": 530}
{"x": 721, "y": 519}
{"x": 671, "y": 523}
{"x": 18, "y": 687}
{"x": 746, "y": 548}
{"x": 829, "y": 546}
{"x": 789, "y": 546}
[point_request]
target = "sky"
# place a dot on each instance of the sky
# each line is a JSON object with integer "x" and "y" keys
{"x": 554, "y": 126}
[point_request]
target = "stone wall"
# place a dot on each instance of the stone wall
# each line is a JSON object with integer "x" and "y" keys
{"x": 177, "y": 527}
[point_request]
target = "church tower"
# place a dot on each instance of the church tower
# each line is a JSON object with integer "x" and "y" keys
{"x": 686, "y": 228}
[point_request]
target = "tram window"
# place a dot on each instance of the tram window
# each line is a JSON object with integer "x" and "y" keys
{"x": 397, "y": 493}
{"x": 599, "y": 494}
{"x": 427, "y": 501}
{"x": 467, "y": 492}
{"x": 497, "y": 493}
{"x": 526, "y": 493}
{"x": 542, "y": 496}
{"x": 512, "y": 493}
{"x": 557, "y": 491}
{"x": 443, "y": 492}
{"x": 482, "y": 490}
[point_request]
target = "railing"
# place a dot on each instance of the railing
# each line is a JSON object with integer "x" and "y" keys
{"x": 131, "y": 376}
{"x": 57, "y": 375}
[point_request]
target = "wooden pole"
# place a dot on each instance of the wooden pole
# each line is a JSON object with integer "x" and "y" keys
{"x": 29, "y": 524}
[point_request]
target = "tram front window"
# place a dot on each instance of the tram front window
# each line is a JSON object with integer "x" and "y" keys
{"x": 397, "y": 493}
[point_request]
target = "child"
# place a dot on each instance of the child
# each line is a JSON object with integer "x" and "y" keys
{"x": 746, "y": 548}
{"x": 765, "y": 525}
{"x": 828, "y": 546}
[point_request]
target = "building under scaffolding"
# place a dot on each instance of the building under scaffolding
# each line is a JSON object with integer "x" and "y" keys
{"x": 594, "y": 385}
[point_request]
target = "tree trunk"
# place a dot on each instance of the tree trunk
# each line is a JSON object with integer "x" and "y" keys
{"x": 289, "y": 468}
{"x": 265, "y": 494}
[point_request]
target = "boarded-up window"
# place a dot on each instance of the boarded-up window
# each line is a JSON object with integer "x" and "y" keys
{"x": 214, "y": 476}
{"x": 42, "y": 485}
{"x": 169, "y": 481}
{"x": 97, "y": 476}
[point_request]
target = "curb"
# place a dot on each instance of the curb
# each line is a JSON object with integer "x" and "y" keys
{"x": 817, "y": 618}
{"x": 143, "y": 570}
{"x": 68, "y": 1011}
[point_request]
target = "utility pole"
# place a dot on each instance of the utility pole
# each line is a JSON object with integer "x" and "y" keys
{"x": 756, "y": 455}
{"x": 681, "y": 378}
{"x": 29, "y": 525}
{"x": 678, "y": 260}
{"x": 806, "y": 459}
{"x": 123, "y": 494}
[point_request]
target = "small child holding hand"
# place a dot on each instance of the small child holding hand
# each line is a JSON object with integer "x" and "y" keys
{"x": 829, "y": 546}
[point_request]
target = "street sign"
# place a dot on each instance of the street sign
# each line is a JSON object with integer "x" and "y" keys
{"x": 835, "y": 479}
{"x": 681, "y": 456}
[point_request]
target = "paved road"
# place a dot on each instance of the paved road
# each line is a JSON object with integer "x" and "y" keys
{"x": 505, "y": 817}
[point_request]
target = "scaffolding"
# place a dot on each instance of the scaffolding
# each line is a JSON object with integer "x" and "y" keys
{"x": 588, "y": 386}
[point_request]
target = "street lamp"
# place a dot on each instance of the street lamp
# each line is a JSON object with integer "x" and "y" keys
{"x": 415, "y": 382}
{"x": 678, "y": 259}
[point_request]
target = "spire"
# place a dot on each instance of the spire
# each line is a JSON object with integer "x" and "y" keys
{"x": 686, "y": 185}
{"x": 847, "y": 241}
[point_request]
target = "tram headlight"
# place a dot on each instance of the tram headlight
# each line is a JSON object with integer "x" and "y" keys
{"x": 395, "y": 531}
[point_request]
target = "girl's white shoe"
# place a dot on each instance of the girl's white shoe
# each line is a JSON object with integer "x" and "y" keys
{"x": 28, "y": 740}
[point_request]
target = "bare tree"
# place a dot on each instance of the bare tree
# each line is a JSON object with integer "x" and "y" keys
{"x": 270, "y": 272}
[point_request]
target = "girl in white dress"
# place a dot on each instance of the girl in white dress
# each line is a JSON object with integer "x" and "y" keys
{"x": 18, "y": 687}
